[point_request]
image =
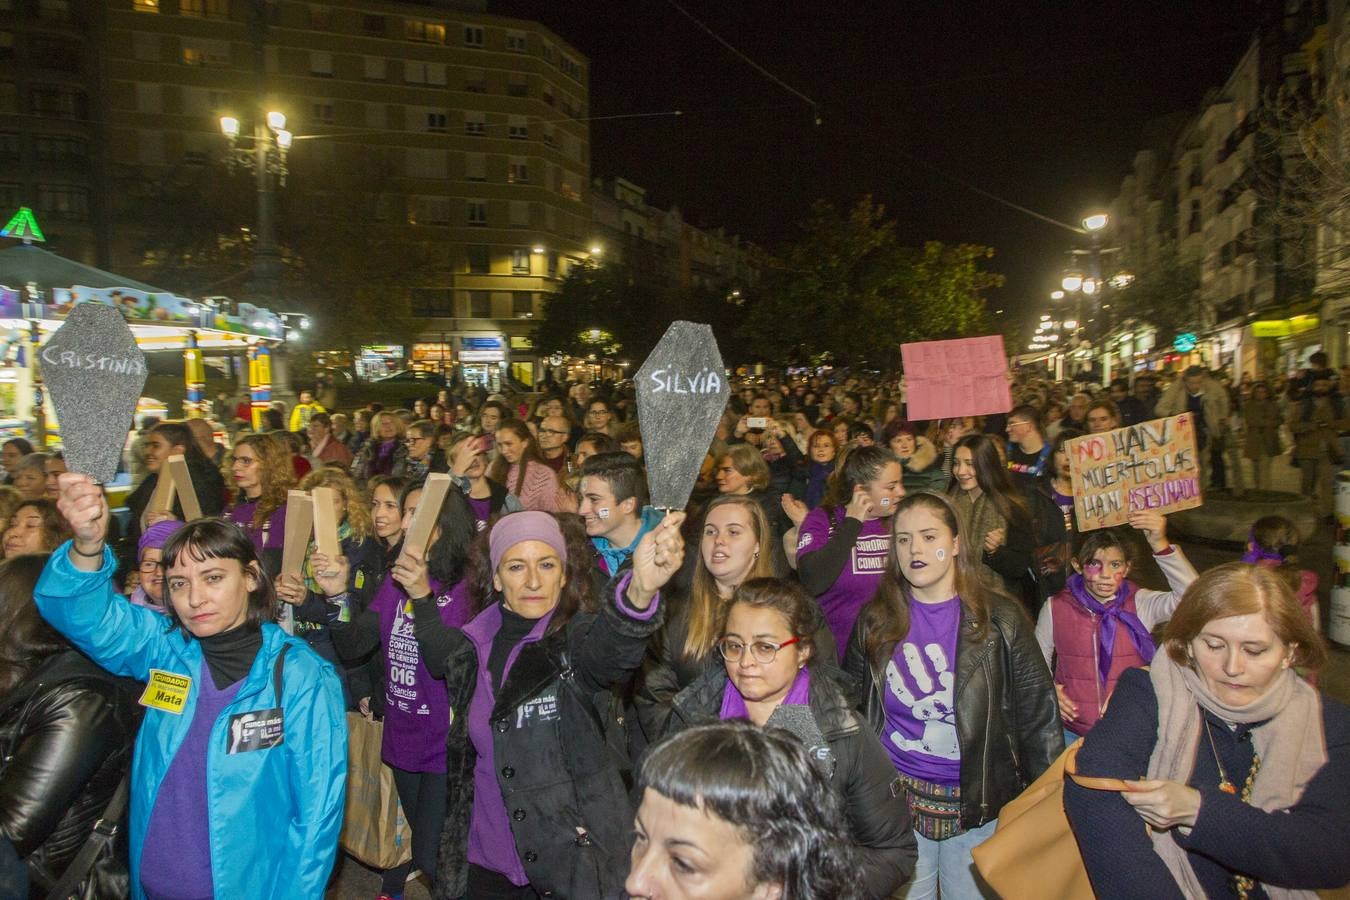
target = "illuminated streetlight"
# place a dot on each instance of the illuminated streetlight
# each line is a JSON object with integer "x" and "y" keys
{"x": 1056, "y": 295}
{"x": 537, "y": 249}
{"x": 276, "y": 120}
{"x": 229, "y": 126}
{"x": 1070, "y": 324}
{"x": 1096, "y": 222}
{"x": 1089, "y": 286}
{"x": 284, "y": 139}
{"x": 1072, "y": 283}
{"x": 596, "y": 250}
{"x": 1045, "y": 318}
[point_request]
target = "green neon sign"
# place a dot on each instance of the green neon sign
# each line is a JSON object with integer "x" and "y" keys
{"x": 24, "y": 227}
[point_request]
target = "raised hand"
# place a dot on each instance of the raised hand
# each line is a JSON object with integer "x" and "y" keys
{"x": 1154, "y": 526}
{"x": 290, "y": 588}
{"x": 658, "y": 557}
{"x": 410, "y": 570}
{"x": 794, "y": 509}
{"x": 932, "y": 704}
{"x": 86, "y": 509}
{"x": 860, "y": 506}
{"x": 330, "y": 573}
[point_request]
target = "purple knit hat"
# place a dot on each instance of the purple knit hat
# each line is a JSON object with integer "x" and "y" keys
{"x": 529, "y": 525}
{"x": 156, "y": 536}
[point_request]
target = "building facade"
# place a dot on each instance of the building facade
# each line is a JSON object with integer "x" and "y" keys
{"x": 453, "y": 140}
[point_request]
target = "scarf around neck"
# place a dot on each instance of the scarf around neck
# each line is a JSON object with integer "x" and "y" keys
{"x": 1110, "y": 616}
{"x": 733, "y": 704}
{"x": 1289, "y": 738}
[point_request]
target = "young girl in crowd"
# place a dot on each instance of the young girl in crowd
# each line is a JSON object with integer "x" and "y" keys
{"x": 841, "y": 549}
{"x": 1101, "y": 623}
{"x": 1273, "y": 542}
{"x": 955, "y": 686}
{"x": 1000, "y": 524}
{"x": 415, "y": 705}
{"x": 519, "y": 467}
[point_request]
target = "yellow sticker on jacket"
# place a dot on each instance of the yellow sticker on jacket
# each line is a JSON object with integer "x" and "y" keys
{"x": 166, "y": 691}
{"x": 360, "y": 579}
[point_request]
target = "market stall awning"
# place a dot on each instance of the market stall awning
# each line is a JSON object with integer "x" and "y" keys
{"x": 25, "y": 264}
{"x": 38, "y": 285}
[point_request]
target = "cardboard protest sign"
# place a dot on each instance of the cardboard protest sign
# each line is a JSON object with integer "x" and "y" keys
{"x": 325, "y": 501}
{"x": 175, "y": 480}
{"x": 95, "y": 373}
{"x": 682, "y": 391}
{"x": 428, "y": 509}
{"x": 299, "y": 527}
{"x": 1149, "y": 466}
{"x": 964, "y": 377}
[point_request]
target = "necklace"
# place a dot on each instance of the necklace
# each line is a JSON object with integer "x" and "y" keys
{"x": 1241, "y": 884}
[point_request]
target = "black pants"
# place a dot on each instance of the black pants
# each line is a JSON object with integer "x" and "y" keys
{"x": 423, "y": 797}
{"x": 485, "y": 884}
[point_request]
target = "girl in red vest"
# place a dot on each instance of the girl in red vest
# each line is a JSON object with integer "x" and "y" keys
{"x": 1099, "y": 625}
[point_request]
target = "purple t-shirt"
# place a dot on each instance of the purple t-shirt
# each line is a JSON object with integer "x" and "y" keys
{"x": 920, "y": 732}
{"x": 176, "y": 852}
{"x": 858, "y": 580}
{"x": 482, "y": 510}
{"x": 416, "y": 705}
{"x": 271, "y": 535}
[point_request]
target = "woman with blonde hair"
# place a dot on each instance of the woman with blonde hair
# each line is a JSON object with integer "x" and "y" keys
{"x": 262, "y": 472}
{"x": 335, "y": 589}
{"x": 742, "y": 470}
{"x": 1246, "y": 767}
{"x": 385, "y": 453}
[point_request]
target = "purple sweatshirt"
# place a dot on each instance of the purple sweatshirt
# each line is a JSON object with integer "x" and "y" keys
{"x": 176, "y": 856}
{"x": 271, "y": 535}
{"x": 416, "y": 705}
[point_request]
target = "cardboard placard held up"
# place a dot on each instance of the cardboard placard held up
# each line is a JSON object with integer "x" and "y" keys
{"x": 325, "y": 501}
{"x": 682, "y": 391}
{"x": 962, "y": 377}
{"x": 1149, "y": 466}
{"x": 175, "y": 480}
{"x": 95, "y": 372}
{"x": 428, "y": 509}
{"x": 299, "y": 527}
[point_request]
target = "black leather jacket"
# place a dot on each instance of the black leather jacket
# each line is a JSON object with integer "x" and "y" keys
{"x": 66, "y": 735}
{"x": 1007, "y": 723}
{"x": 858, "y": 766}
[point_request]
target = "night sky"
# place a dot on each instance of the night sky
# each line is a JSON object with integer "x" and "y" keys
{"x": 1044, "y": 103}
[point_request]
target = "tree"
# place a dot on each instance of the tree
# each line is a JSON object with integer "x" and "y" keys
{"x": 847, "y": 291}
{"x": 626, "y": 315}
{"x": 1166, "y": 294}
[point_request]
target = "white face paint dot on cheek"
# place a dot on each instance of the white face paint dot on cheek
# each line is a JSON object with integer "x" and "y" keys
{"x": 885, "y": 501}
{"x": 602, "y": 512}
{"x": 940, "y": 554}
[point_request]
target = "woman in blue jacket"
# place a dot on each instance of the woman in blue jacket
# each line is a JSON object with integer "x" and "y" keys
{"x": 239, "y": 772}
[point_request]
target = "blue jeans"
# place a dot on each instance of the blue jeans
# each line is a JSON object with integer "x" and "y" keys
{"x": 947, "y": 864}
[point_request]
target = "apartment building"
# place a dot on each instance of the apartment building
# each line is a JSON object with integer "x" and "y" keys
{"x": 437, "y": 124}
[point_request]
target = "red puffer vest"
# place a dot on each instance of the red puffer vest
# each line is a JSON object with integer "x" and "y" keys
{"x": 1076, "y": 651}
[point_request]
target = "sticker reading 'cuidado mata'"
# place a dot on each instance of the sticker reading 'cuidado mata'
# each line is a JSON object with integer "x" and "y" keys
{"x": 167, "y": 691}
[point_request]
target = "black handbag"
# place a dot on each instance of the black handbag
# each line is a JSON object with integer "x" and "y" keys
{"x": 97, "y": 871}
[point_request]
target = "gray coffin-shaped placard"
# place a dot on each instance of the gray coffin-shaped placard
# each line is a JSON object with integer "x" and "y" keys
{"x": 681, "y": 392}
{"x": 95, "y": 373}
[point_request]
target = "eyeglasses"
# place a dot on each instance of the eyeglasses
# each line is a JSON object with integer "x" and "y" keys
{"x": 764, "y": 652}
{"x": 552, "y": 431}
{"x": 414, "y": 438}
{"x": 148, "y": 565}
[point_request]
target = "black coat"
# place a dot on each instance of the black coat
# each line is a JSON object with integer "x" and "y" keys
{"x": 666, "y": 670}
{"x": 571, "y": 816}
{"x": 1007, "y": 720}
{"x": 207, "y": 483}
{"x": 861, "y": 771}
{"x": 66, "y": 734}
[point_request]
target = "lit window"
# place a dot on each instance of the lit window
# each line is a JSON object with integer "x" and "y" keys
{"x": 148, "y": 6}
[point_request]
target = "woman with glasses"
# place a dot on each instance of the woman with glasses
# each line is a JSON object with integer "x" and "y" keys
{"x": 423, "y": 456}
{"x": 261, "y": 470}
{"x": 384, "y": 453}
{"x": 772, "y": 675}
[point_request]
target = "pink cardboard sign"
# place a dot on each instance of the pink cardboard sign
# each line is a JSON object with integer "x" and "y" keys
{"x": 963, "y": 377}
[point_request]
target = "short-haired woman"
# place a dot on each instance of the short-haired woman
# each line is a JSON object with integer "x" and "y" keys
{"x": 734, "y": 810}
{"x": 771, "y": 674}
{"x": 1243, "y": 768}
{"x": 240, "y": 765}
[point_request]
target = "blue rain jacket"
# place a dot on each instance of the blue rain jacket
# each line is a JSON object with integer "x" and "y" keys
{"x": 274, "y": 813}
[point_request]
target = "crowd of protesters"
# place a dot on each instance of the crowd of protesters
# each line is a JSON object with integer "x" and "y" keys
{"x": 826, "y": 677}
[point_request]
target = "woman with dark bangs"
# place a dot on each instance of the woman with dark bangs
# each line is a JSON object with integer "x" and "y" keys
{"x": 739, "y": 812}
{"x": 240, "y": 766}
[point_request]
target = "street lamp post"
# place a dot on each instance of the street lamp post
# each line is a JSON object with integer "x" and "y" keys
{"x": 267, "y": 158}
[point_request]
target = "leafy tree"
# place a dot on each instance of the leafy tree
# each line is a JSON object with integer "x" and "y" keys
{"x": 1166, "y": 294}
{"x": 849, "y": 291}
